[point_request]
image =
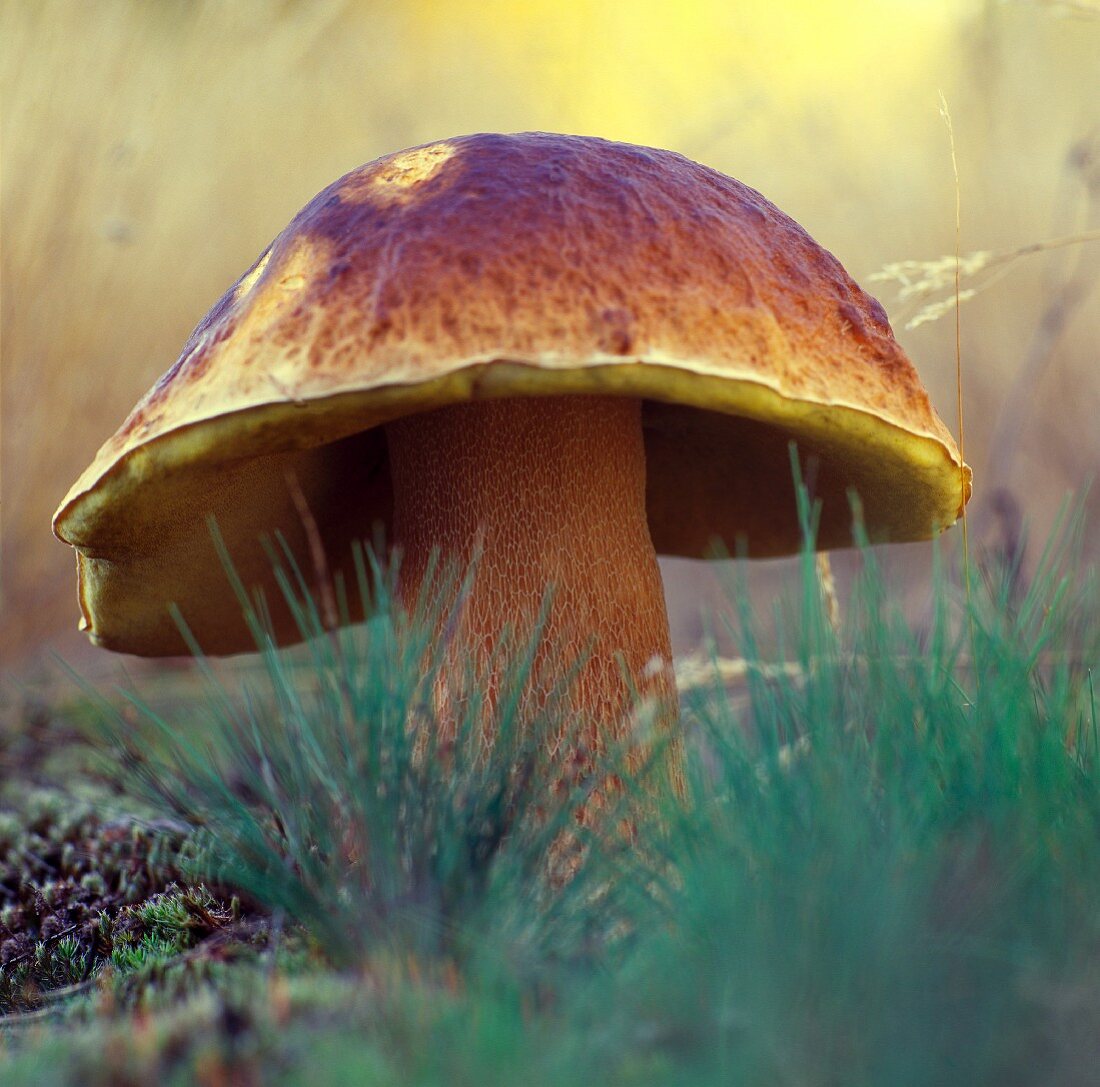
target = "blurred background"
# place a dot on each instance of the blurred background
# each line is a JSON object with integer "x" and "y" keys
{"x": 151, "y": 148}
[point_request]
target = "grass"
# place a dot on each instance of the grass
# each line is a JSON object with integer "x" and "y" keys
{"x": 325, "y": 793}
{"x": 885, "y": 870}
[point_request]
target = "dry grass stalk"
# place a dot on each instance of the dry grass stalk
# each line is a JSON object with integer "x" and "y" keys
{"x": 699, "y": 671}
{"x": 827, "y": 584}
{"x": 919, "y": 280}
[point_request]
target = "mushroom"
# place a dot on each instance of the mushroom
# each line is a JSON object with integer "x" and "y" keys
{"x": 570, "y": 353}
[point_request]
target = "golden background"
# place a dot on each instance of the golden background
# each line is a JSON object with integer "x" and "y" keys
{"x": 150, "y": 150}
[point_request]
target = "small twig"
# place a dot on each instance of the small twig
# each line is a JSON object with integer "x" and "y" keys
{"x": 50, "y": 1001}
{"x": 15, "y": 960}
{"x": 26, "y": 1019}
{"x": 53, "y": 1000}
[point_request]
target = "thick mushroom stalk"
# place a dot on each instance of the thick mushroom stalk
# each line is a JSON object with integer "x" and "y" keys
{"x": 552, "y": 491}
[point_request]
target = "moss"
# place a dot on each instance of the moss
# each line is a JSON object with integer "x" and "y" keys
{"x": 91, "y": 880}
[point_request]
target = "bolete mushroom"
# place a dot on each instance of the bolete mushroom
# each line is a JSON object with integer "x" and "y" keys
{"x": 573, "y": 353}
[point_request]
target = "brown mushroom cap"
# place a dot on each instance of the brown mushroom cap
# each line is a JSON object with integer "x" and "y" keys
{"x": 493, "y": 266}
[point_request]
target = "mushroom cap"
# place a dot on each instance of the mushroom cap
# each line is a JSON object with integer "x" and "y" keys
{"x": 506, "y": 266}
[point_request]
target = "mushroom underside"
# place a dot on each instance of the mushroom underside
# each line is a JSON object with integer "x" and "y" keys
{"x": 710, "y": 477}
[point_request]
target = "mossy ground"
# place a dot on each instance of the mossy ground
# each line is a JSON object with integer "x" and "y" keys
{"x": 885, "y": 870}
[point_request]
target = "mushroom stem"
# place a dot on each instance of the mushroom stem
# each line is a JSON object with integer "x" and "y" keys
{"x": 552, "y": 492}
